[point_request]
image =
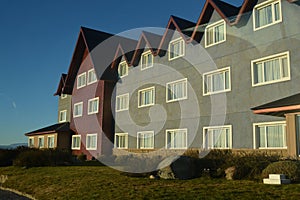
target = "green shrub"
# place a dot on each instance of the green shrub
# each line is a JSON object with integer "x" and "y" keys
{"x": 82, "y": 157}
{"x": 289, "y": 168}
{"x": 8, "y": 155}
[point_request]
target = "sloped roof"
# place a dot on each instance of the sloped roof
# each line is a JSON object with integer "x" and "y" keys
{"x": 61, "y": 84}
{"x": 55, "y": 128}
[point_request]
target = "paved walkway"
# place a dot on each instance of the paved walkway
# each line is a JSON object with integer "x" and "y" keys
{"x": 7, "y": 195}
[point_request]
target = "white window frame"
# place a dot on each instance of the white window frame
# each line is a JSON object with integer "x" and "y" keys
{"x": 31, "y": 139}
{"x": 213, "y": 26}
{"x": 72, "y": 144}
{"x": 79, "y": 77}
{"x": 255, "y": 134}
{"x": 144, "y": 133}
{"x": 212, "y": 73}
{"x": 77, "y": 104}
{"x": 211, "y": 146}
{"x": 175, "y": 82}
{"x": 174, "y": 130}
{"x": 89, "y": 104}
{"x": 141, "y": 104}
{"x": 88, "y": 143}
{"x": 89, "y": 82}
{"x": 263, "y": 5}
{"x": 60, "y": 116}
{"x": 145, "y": 57}
{"x": 43, "y": 144}
{"x": 126, "y": 106}
{"x": 181, "y": 46}
{"x": 271, "y": 57}
{"x": 126, "y": 140}
{"x": 48, "y": 139}
{"x": 122, "y": 63}
{"x": 63, "y": 96}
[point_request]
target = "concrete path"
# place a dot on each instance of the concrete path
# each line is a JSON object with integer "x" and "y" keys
{"x": 7, "y": 195}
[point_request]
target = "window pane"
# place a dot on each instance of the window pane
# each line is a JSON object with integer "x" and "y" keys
{"x": 277, "y": 12}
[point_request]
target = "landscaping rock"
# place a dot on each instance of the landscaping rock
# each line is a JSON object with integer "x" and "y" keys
{"x": 230, "y": 173}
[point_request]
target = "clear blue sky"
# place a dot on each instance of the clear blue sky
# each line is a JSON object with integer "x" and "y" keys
{"x": 37, "y": 40}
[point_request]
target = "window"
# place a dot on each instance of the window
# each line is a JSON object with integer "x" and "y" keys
{"x": 62, "y": 116}
{"x": 81, "y": 80}
{"x": 31, "y": 142}
{"x": 215, "y": 33}
{"x": 270, "y": 135}
{"x": 92, "y": 78}
{"x": 76, "y": 141}
{"x": 51, "y": 141}
{"x": 145, "y": 140}
{"x": 146, "y": 97}
{"x": 123, "y": 69}
{"x": 78, "y": 109}
{"x": 176, "y": 90}
{"x": 122, "y": 102}
{"x": 121, "y": 140}
{"x": 216, "y": 81}
{"x": 41, "y": 142}
{"x": 63, "y": 96}
{"x": 217, "y": 137}
{"x": 271, "y": 69}
{"x": 147, "y": 60}
{"x": 176, "y": 49}
{"x": 93, "y": 106}
{"x": 266, "y": 14}
{"x": 91, "y": 142}
{"x": 176, "y": 139}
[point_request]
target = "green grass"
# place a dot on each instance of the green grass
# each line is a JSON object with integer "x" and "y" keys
{"x": 98, "y": 182}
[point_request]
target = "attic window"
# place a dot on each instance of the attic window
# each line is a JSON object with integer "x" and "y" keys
{"x": 147, "y": 60}
{"x": 123, "y": 69}
{"x": 215, "y": 33}
{"x": 176, "y": 49}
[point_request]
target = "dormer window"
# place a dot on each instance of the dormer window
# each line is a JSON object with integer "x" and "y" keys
{"x": 267, "y": 14}
{"x": 147, "y": 60}
{"x": 81, "y": 80}
{"x": 123, "y": 69}
{"x": 176, "y": 49}
{"x": 92, "y": 78}
{"x": 215, "y": 33}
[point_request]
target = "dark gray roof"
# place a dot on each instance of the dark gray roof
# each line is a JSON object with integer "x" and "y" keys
{"x": 287, "y": 101}
{"x": 61, "y": 127}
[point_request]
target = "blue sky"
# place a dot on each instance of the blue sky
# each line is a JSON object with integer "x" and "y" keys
{"x": 37, "y": 40}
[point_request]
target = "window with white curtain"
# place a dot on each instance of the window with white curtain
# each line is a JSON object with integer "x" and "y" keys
{"x": 215, "y": 33}
{"x": 145, "y": 140}
{"x": 217, "y": 81}
{"x": 92, "y": 78}
{"x": 266, "y": 14}
{"x": 147, "y": 60}
{"x": 123, "y": 69}
{"x": 93, "y": 106}
{"x": 76, "y": 142}
{"x": 91, "y": 141}
{"x": 176, "y": 49}
{"x": 121, "y": 140}
{"x": 176, "y": 90}
{"x": 271, "y": 69}
{"x": 81, "y": 80}
{"x": 122, "y": 102}
{"x": 51, "y": 141}
{"x": 270, "y": 135}
{"x": 176, "y": 139}
{"x": 146, "y": 97}
{"x": 78, "y": 109}
{"x": 62, "y": 116}
{"x": 219, "y": 137}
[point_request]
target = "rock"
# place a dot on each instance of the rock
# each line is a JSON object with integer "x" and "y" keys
{"x": 230, "y": 173}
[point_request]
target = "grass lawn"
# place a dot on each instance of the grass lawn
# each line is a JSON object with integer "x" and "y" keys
{"x": 98, "y": 182}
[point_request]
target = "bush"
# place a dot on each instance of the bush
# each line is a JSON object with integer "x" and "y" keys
{"x": 289, "y": 168}
{"x": 8, "y": 155}
{"x": 82, "y": 157}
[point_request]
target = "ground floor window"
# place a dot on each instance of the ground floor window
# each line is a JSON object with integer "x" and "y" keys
{"x": 218, "y": 137}
{"x": 121, "y": 140}
{"x": 31, "y": 142}
{"x": 145, "y": 140}
{"x": 270, "y": 135}
{"x": 51, "y": 141}
{"x": 91, "y": 142}
{"x": 176, "y": 139}
{"x": 76, "y": 141}
{"x": 41, "y": 142}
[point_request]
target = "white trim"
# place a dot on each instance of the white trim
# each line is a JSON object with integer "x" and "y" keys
{"x": 174, "y": 82}
{"x": 41, "y": 147}
{"x": 144, "y": 132}
{"x": 88, "y": 77}
{"x": 76, "y": 148}
{"x": 174, "y": 130}
{"x": 205, "y": 128}
{"x": 76, "y": 104}
{"x": 96, "y": 142}
{"x": 212, "y": 73}
{"x": 255, "y": 146}
{"x": 283, "y": 54}
{"x": 63, "y": 96}
{"x": 91, "y": 100}
{"x": 33, "y": 140}
{"x": 121, "y": 63}
{"x": 60, "y": 119}
{"x": 127, "y": 105}
{"x": 84, "y": 84}
{"x": 121, "y": 134}
{"x": 142, "y": 58}
{"x": 222, "y": 21}
{"x": 262, "y": 5}
{"x": 146, "y": 89}
{"x": 51, "y": 136}
{"x": 181, "y": 45}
